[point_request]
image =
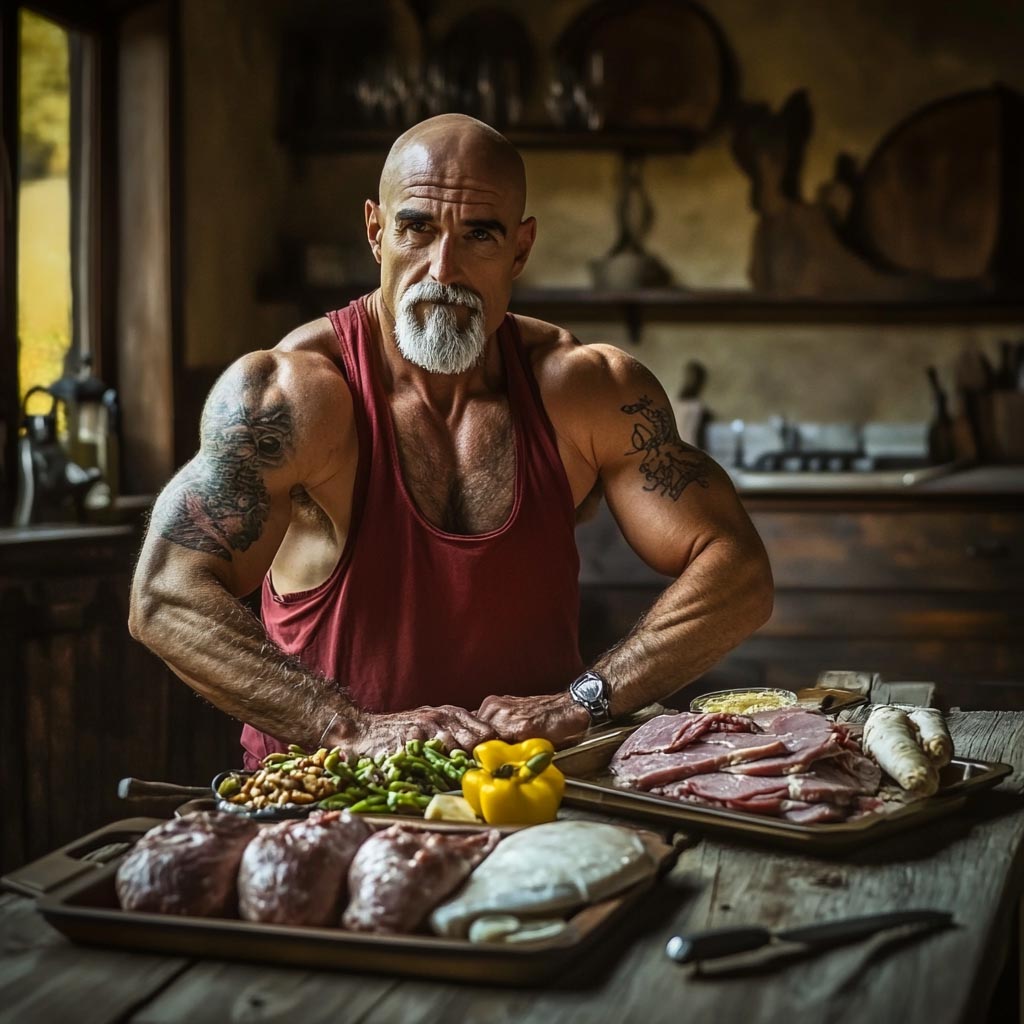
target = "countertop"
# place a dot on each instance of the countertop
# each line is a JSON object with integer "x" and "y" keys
{"x": 969, "y": 863}
{"x": 966, "y": 482}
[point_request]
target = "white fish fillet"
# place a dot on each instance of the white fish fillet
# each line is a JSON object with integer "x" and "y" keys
{"x": 548, "y": 869}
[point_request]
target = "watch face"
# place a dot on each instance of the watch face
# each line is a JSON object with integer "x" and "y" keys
{"x": 589, "y": 688}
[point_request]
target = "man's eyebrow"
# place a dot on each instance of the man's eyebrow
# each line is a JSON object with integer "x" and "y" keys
{"x": 488, "y": 225}
{"x": 410, "y": 214}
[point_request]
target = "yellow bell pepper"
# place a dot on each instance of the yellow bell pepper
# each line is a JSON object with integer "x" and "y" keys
{"x": 517, "y": 783}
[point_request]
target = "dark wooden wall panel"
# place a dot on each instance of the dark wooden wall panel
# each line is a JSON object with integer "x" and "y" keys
{"x": 85, "y": 705}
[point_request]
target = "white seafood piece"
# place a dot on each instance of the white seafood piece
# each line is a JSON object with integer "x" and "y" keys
{"x": 547, "y": 870}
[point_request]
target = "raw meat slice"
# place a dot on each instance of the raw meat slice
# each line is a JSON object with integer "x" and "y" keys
{"x": 725, "y": 787}
{"x": 806, "y": 736}
{"x": 668, "y": 733}
{"x": 399, "y": 875}
{"x": 187, "y": 865}
{"x": 803, "y": 813}
{"x": 860, "y": 770}
{"x": 644, "y": 771}
{"x": 548, "y": 869}
{"x": 296, "y": 872}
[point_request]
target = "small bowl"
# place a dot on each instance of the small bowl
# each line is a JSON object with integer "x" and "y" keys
{"x": 761, "y": 698}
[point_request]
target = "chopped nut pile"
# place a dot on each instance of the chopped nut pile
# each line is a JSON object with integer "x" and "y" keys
{"x": 402, "y": 782}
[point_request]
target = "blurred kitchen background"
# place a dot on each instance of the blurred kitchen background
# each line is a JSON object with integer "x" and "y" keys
{"x": 806, "y": 218}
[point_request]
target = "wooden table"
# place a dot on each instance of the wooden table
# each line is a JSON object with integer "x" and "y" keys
{"x": 970, "y": 864}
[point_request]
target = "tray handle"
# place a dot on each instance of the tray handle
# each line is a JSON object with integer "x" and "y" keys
{"x": 56, "y": 869}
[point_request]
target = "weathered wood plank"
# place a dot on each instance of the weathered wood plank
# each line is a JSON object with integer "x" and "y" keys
{"x": 970, "y": 863}
{"x": 44, "y": 978}
{"x": 229, "y": 993}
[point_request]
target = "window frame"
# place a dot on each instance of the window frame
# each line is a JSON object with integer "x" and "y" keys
{"x": 86, "y": 179}
{"x": 145, "y": 365}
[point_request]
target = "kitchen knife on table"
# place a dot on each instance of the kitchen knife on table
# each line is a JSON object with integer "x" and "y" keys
{"x": 720, "y": 942}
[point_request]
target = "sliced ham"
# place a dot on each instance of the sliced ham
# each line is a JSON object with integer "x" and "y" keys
{"x": 807, "y": 738}
{"x": 799, "y": 765}
{"x": 803, "y": 813}
{"x": 643, "y": 771}
{"x": 668, "y": 733}
{"x": 725, "y": 787}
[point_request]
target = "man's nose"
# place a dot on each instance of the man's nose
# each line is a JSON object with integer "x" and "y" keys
{"x": 444, "y": 263}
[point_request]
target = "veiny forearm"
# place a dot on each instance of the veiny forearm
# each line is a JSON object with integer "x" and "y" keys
{"x": 722, "y": 596}
{"x": 215, "y": 645}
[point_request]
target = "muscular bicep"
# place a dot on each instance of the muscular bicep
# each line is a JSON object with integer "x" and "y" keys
{"x": 671, "y": 500}
{"x": 228, "y": 509}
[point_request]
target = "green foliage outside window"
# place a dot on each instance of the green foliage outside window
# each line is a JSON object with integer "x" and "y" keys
{"x": 44, "y": 207}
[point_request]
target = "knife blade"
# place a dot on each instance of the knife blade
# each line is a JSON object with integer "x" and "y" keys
{"x": 719, "y": 942}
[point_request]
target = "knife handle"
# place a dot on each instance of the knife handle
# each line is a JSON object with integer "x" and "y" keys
{"x": 142, "y": 789}
{"x": 715, "y": 942}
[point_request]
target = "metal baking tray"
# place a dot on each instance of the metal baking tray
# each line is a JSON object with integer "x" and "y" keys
{"x": 589, "y": 785}
{"x": 86, "y": 910}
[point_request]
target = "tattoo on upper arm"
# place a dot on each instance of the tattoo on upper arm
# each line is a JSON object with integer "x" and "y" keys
{"x": 221, "y": 502}
{"x": 668, "y": 465}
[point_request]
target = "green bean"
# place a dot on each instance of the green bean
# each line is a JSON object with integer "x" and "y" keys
{"x": 369, "y": 804}
{"x": 336, "y": 802}
{"x": 408, "y": 800}
{"x": 275, "y": 758}
{"x": 436, "y": 759}
{"x": 332, "y": 761}
{"x": 434, "y": 744}
{"x": 294, "y": 748}
{"x": 398, "y": 786}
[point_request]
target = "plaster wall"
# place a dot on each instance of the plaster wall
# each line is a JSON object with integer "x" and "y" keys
{"x": 866, "y": 63}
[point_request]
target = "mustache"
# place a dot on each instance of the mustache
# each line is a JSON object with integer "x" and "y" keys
{"x": 447, "y": 294}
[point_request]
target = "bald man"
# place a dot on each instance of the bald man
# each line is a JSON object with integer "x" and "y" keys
{"x": 402, "y": 479}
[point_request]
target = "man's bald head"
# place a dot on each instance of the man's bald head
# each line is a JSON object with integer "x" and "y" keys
{"x": 455, "y": 147}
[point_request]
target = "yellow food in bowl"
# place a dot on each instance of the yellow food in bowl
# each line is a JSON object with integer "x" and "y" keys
{"x": 743, "y": 702}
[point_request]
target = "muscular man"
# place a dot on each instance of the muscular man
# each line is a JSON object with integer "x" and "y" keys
{"x": 402, "y": 477}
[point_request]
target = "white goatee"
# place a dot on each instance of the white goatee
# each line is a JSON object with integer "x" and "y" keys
{"x": 436, "y": 342}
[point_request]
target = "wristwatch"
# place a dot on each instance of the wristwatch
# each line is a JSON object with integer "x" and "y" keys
{"x": 590, "y": 691}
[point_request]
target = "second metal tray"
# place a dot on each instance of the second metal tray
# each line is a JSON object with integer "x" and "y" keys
{"x": 589, "y": 785}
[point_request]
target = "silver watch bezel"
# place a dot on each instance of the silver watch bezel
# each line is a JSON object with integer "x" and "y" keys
{"x": 599, "y": 707}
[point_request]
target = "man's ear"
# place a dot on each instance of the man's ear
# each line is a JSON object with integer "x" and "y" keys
{"x": 526, "y": 235}
{"x": 374, "y": 227}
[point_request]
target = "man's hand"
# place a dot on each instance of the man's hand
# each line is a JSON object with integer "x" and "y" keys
{"x": 555, "y": 716}
{"x": 384, "y": 734}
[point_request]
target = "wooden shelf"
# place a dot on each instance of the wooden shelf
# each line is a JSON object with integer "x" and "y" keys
{"x": 354, "y": 140}
{"x": 644, "y": 305}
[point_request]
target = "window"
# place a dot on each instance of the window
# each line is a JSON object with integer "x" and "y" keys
{"x": 49, "y": 199}
{"x": 44, "y": 202}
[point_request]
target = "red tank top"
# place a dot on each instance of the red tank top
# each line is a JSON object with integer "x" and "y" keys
{"x": 412, "y": 615}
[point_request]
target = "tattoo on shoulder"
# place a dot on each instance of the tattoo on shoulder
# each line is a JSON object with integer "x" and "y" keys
{"x": 668, "y": 466}
{"x": 220, "y": 502}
